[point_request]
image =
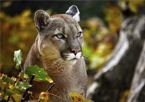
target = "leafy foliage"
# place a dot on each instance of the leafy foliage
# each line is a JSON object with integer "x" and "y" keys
{"x": 18, "y": 31}
{"x": 101, "y": 39}
{"x": 98, "y": 45}
{"x": 15, "y": 34}
{"x": 14, "y": 88}
{"x": 133, "y": 4}
{"x": 11, "y": 87}
{"x": 113, "y": 17}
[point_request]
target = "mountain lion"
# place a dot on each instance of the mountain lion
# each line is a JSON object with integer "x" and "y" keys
{"x": 58, "y": 50}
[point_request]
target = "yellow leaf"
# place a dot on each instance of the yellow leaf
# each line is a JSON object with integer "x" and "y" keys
{"x": 44, "y": 96}
{"x": 26, "y": 13}
{"x": 76, "y": 97}
{"x": 49, "y": 11}
{"x": 124, "y": 96}
{"x": 86, "y": 100}
{"x": 17, "y": 97}
{"x": 26, "y": 76}
{"x": 49, "y": 80}
{"x": 135, "y": 3}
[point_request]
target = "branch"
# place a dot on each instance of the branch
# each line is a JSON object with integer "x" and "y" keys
{"x": 50, "y": 87}
{"x": 13, "y": 99}
{"x": 8, "y": 98}
{"x": 24, "y": 97}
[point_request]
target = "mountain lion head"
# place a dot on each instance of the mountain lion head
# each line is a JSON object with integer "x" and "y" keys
{"x": 60, "y": 36}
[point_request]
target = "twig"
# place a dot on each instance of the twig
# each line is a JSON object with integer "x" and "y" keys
{"x": 31, "y": 80}
{"x": 27, "y": 96}
{"x": 50, "y": 87}
{"x": 21, "y": 67}
{"x": 22, "y": 72}
{"x": 8, "y": 98}
{"x": 57, "y": 96}
{"x": 24, "y": 97}
{"x": 13, "y": 99}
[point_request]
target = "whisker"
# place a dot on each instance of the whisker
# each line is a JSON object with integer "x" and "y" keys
{"x": 53, "y": 63}
{"x": 44, "y": 57}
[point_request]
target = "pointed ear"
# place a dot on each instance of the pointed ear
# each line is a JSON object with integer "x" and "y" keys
{"x": 74, "y": 12}
{"x": 41, "y": 19}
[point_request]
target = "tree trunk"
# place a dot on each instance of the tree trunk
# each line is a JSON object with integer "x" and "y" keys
{"x": 137, "y": 92}
{"x": 116, "y": 76}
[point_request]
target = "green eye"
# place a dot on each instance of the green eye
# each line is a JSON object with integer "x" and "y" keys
{"x": 60, "y": 36}
{"x": 79, "y": 34}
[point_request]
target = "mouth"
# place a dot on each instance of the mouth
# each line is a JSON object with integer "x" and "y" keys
{"x": 72, "y": 61}
{"x": 71, "y": 58}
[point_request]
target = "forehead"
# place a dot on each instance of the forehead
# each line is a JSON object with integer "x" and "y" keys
{"x": 65, "y": 21}
{"x": 63, "y": 18}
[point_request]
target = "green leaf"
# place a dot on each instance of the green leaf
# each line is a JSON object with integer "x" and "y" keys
{"x": 24, "y": 85}
{"x": 3, "y": 100}
{"x": 19, "y": 91}
{"x": 22, "y": 75}
{"x": 8, "y": 80}
{"x": 42, "y": 100}
{"x": 17, "y": 58}
{"x": 9, "y": 92}
{"x": 40, "y": 74}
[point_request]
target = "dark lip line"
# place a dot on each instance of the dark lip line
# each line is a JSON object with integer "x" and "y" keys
{"x": 70, "y": 59}
{"x": 73, "y": 59}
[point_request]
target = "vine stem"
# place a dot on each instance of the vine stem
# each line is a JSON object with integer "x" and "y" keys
{"x": 57, "y": 96}
{"x": 21, "y": 67}
{"x": 22, "y": 72}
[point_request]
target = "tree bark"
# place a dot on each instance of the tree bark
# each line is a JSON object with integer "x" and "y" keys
{"x": 137, "y": 92}
{"x": 116, "y": 76}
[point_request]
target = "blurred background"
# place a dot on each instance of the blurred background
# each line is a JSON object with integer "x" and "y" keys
{"x": 100, "y": 21}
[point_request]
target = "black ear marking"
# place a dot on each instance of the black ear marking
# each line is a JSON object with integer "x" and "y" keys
{"x": 41, "y": 19}
{"x": 74, "y": 12}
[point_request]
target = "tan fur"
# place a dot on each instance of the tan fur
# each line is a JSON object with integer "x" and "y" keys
{"x": 46, "y": 53}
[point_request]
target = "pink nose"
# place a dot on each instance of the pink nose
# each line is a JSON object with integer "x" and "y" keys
{"x": 75, "y": 51}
